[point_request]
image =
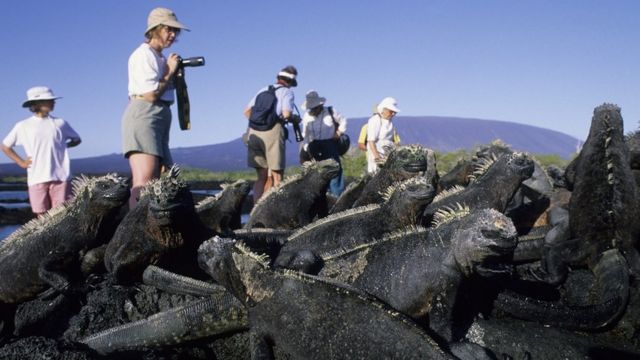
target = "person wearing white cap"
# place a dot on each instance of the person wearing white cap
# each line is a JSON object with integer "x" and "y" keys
{"x": 147, "y": 119}
{"x": 267, "y": 113}
{"x": 380, "y": 131}
{"x": 321, "y": 127}
{"x": 45, "y": 140}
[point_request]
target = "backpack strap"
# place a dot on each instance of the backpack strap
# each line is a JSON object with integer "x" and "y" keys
{"x": 335, "y": 123}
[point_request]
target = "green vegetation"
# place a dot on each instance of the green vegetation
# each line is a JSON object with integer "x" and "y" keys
{"x": 354, "y": 164}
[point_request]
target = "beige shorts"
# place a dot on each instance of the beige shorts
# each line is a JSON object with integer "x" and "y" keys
{"x": 145, "y": 129}
{"x": 266, "y": 148}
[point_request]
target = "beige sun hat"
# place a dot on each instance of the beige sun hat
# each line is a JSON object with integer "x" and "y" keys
{"x": 163, "y": 16}
{"x": 388, "y": 103}
{"x": 38, "y": 93}
{"x": 312, "y": 100}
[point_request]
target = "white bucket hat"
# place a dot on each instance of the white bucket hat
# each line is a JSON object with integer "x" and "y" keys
{"x": 163, "y": 16}
{"x": 38, "y": 93}
{"x": 388, "y": 103}
{"x": 313, "y": 100}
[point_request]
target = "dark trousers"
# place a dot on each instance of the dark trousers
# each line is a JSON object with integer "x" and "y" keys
{"x": 328, "y": 149}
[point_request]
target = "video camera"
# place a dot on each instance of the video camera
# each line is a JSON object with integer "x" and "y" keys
{"x": 295, "y": 120}
{"x": 181, "y": 90}
{"x": 190, "y": 62}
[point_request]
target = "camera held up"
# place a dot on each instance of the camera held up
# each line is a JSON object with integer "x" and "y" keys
{"x": 182, "y": 95}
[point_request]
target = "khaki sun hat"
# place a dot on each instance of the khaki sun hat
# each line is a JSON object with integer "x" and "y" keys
{"x": 312, "y": 100}
{"x": 163, "y": 16}
{"x": 38, "y": 93}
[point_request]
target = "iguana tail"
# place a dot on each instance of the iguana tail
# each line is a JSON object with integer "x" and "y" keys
{"x": 612, "y": 276}
{"x": 202, "y": 318}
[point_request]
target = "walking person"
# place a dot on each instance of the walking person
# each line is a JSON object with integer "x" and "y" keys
{"x": 147, "y": 119}
{"x": 267, "y": 113}
{"x": 380, "y": 131}
{"x": 45, "y": 139}
{"x": 322, "y": 127}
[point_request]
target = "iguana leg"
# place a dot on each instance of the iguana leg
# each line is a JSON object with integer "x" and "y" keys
{"x": 260, "y": 348}
{"x": 52, "y": 269}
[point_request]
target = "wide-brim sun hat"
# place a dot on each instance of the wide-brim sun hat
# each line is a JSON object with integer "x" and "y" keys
{"x": 163, "y": 16}
{"x": 39, "y": 93}
{"x": 312, "y": 100}
{"x": 388, "y": 103}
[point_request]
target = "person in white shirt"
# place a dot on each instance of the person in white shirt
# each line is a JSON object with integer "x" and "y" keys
{"x": 380, "y": 132}
{"x": 147, "y": 119}
{"x": 321, "y": 127}
{"x": 45, "y": 140}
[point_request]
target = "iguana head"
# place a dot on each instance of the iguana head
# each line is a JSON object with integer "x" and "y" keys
{"x": 168, "y": 197}
{"x": 413, "y": 159}
{"x": 100, "y": 193}
{"x": 484, "y": 243}
{"x": 517, "y": 166}
{"x": 234, "y": 266}
{"x": 327, "y": 169}
{"x": 410, "y": 196}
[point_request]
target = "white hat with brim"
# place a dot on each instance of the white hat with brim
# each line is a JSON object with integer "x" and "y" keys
{"x": 39, "y": 93}
{"x": 388, "y": 103}
{"x": 163, "y": 16}
{"x": 312, "y": 100}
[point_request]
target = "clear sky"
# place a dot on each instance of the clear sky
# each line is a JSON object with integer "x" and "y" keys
{"x": 545, "y": 63}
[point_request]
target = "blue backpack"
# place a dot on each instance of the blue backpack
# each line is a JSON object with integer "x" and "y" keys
{"x": 263, "y": 114}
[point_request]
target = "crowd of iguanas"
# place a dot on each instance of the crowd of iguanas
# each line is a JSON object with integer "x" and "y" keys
{"x": 498, "y": 258}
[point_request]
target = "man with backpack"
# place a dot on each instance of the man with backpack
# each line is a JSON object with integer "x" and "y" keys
{"x": 267, "y": 112}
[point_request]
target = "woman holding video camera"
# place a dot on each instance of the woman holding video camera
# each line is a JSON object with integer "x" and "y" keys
{"x": 147, "y": 119}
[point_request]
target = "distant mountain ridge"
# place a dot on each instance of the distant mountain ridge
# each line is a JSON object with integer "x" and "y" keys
{"x": 436, "y": 132}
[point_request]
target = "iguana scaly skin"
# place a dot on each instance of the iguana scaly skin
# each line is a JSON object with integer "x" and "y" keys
{"x": 309, "y": 318}
{"x": 297, "y": 200}
{"x": 600, "y": 232}
{"x": 160, "y": 230}
{"x": 221, "y": 213}
{"x": 350, "y": 194}
{"x": 493, "y": 189}
{"x": 46, "y": 251}
{"x": 399, "y": 164}
{"x": 405, "y": 202}
{"x": 420, "y": 271}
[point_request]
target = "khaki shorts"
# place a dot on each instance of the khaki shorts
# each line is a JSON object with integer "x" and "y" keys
{"x": 47, "y": 195}
{"x": 145, "y": 129}
{"x": 266, "y": 148}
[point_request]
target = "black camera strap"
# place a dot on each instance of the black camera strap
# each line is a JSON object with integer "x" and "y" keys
{"x": 182, "y": 98}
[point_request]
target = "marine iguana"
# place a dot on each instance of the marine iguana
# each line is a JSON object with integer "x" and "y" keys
{"x": 402, "y": 208}
{"x": 600, "y": 232}
{"x": 46, "y": 251}
{"x": 493, "y": 189}
{"x": 420, "y": 271}
{"x": 350, "y": 194}
{"x": 221, "y": 213}
{"x": 308, "y": 317}
{"x": 298, "y": 199}
{"x": 399, "y": 164}
{"x": 163, "y": 229}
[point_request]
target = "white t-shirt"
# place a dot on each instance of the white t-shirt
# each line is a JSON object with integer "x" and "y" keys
{"x": 146, "y": 69}
{"x": 381, "y": 131}
{"x": 321, "y": 127}
{"x": 45, "y": 141}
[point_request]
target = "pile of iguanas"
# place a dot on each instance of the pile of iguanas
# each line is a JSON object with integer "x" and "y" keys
{"x": 404, "y": 264}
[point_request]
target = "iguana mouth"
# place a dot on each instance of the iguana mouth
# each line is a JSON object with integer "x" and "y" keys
{"x": 416, "y": 167}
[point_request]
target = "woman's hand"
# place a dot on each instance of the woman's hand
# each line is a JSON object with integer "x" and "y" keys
{"x": 172, "y": 66}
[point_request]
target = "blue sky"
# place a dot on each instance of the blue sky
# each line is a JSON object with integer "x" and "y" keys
{"x": 543, "y": 63}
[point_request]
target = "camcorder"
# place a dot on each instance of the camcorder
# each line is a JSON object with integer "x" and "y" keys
{"x": 295, "y": 122}
{"x": 182, "y": 96}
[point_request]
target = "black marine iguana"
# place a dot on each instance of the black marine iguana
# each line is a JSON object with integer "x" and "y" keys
{"x": 399, "y": 164}
{"x": 493, "y": 189}
{"x": 163, "y": 229}
{"x": 599, "y": 232}
{"x": 44, "y": 252}
{"x": 402, "y": 208}
{"x": 221, "y": 213}
{"x": 310, "y": 318}
{"x": 297, "y": 200}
